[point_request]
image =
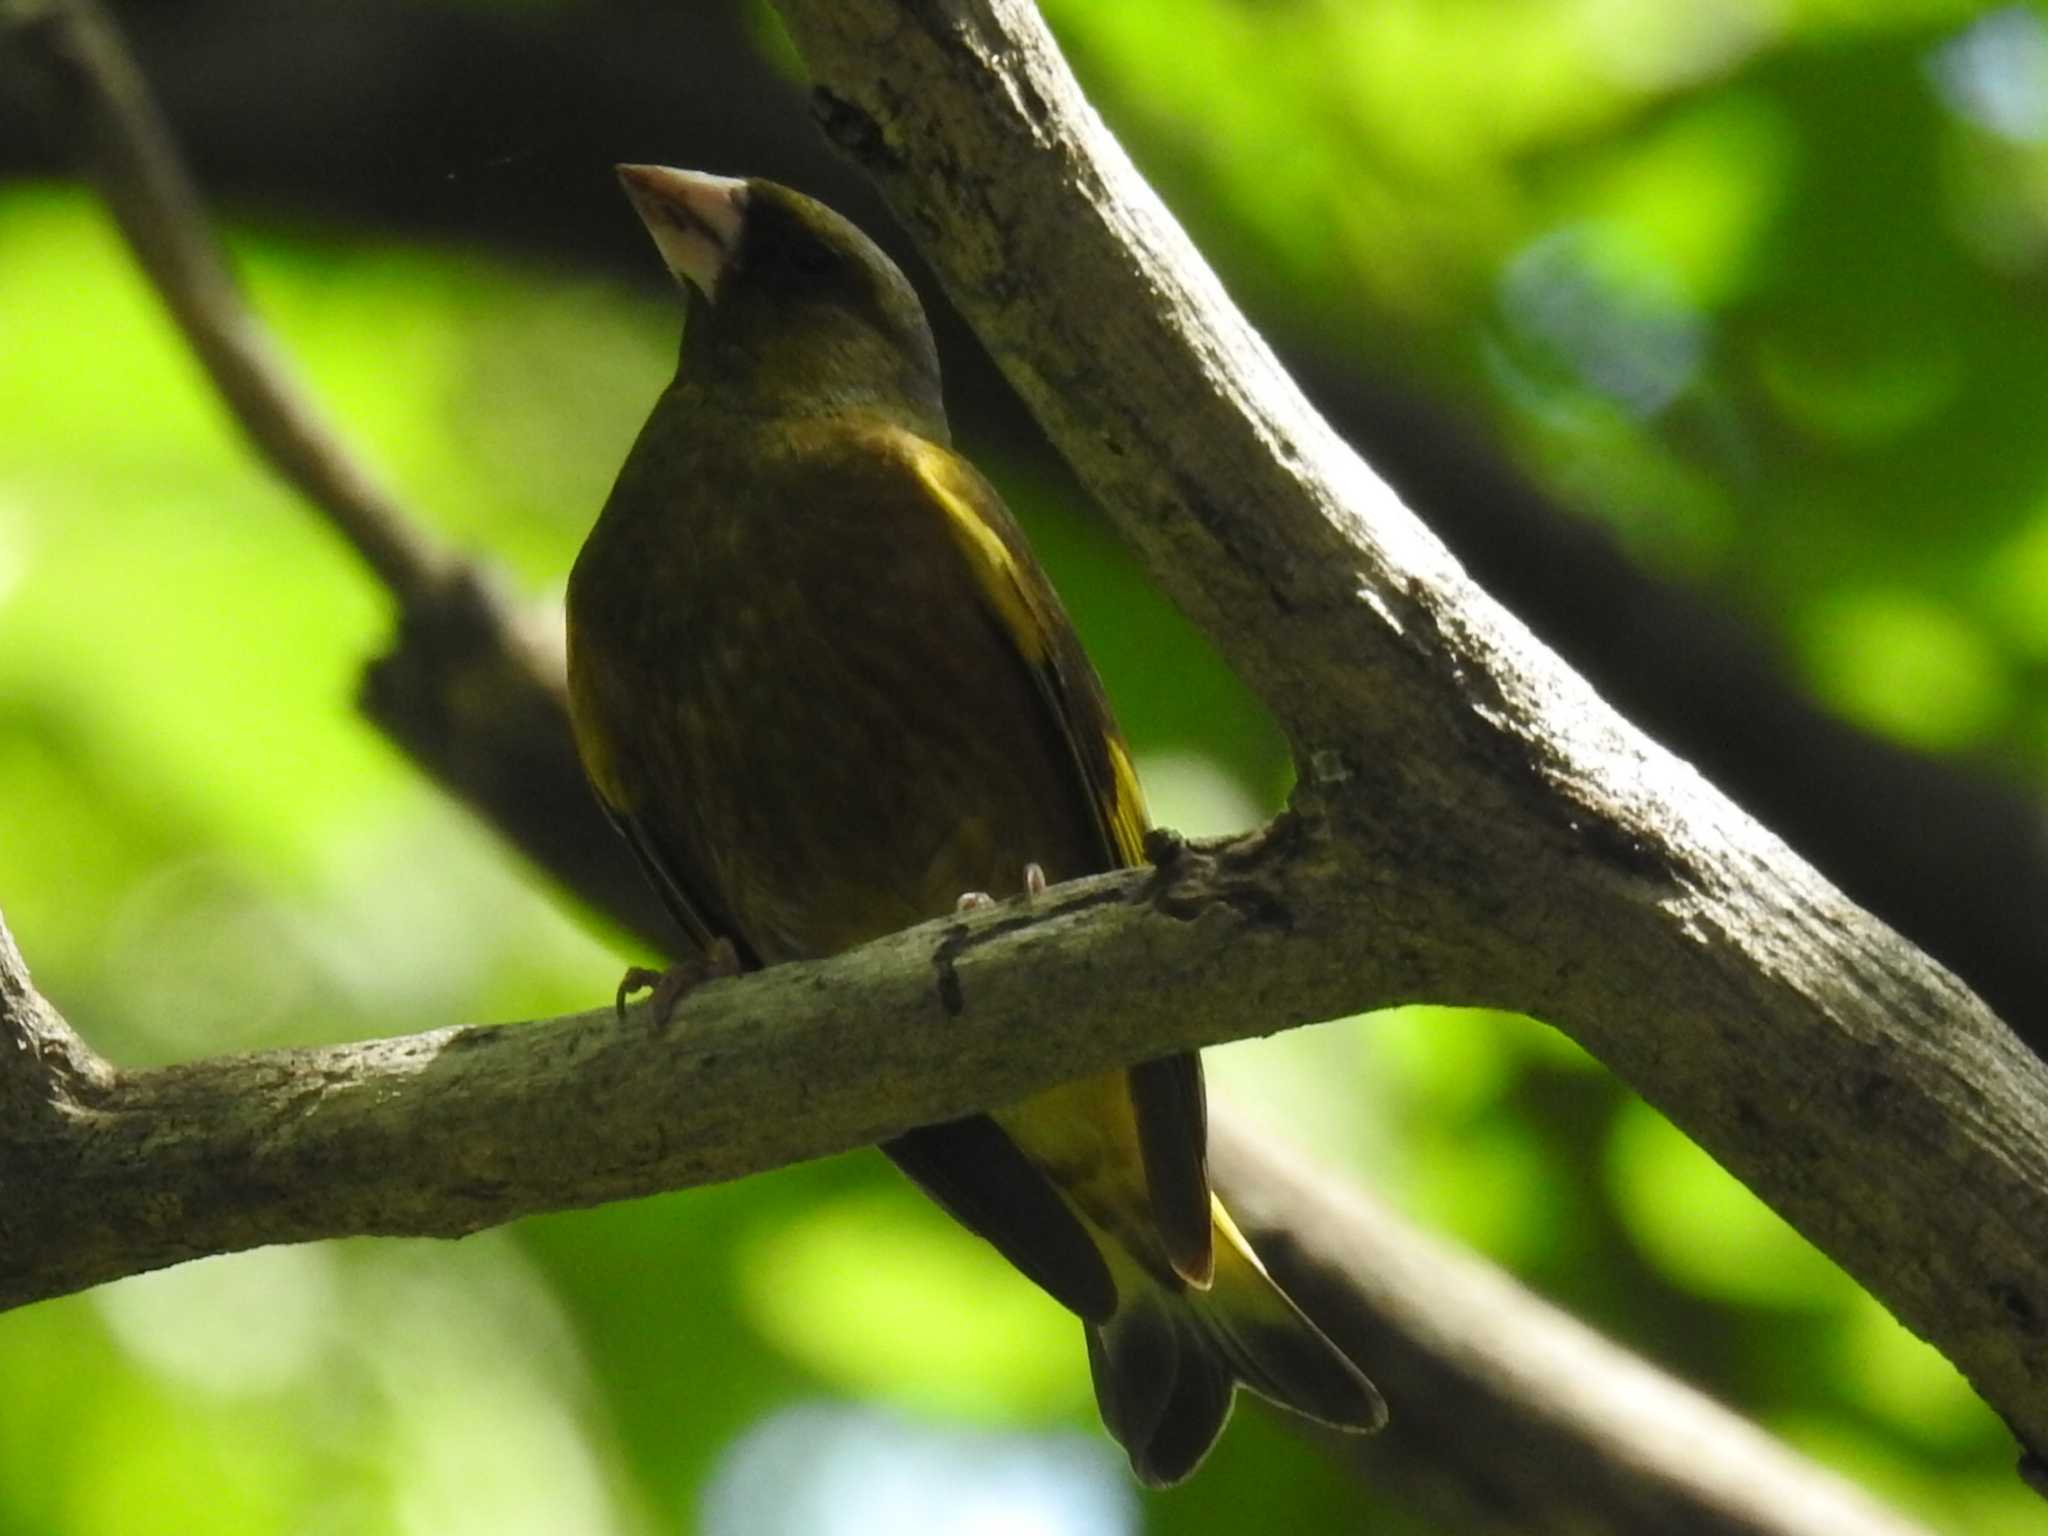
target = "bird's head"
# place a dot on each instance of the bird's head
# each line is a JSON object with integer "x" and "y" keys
{"x": 792, "y": 309}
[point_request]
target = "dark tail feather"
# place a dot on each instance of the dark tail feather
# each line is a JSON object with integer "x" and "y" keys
{"x": 1195, "y": 1415}
{"x": 1163, "y": 1392}
{"x": 1173, "y": 1139}
{"x": 1274, "y": 1348}
{"x": 1132, "y": 1358}
{"x": 1166, "y": 1363}
{"x": 1298, "y": 1368}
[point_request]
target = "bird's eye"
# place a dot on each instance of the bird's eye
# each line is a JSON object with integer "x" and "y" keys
{"x": 811, "y": 258}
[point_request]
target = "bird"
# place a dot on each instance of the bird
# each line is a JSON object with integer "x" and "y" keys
{"x": 824, "y": 689}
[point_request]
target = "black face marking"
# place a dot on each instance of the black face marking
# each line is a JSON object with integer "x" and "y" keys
{"x": 804, "y": 299}
{"x": 812, "y": 259}
{"x": 778, "y": 252}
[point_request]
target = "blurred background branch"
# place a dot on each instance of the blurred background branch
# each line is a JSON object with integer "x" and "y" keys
{"x": 1519, "y": 1418}
{"x": 109, "y": 118}
{"x": 463, "y": 647}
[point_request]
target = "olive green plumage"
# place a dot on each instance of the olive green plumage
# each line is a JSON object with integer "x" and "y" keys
{"x": 823, "y": 688}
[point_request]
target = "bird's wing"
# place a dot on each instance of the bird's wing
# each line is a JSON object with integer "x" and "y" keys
{"x": 982, "y": 1181}
{"x": 676, "y": 878}
{"x": 1167, "y": 1095}
{"x": 694, "y": 907}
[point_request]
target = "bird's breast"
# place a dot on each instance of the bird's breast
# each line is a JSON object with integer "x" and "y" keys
{"x": 827, "y": 710}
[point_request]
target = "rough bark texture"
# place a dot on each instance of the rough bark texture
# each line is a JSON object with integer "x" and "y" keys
{"x": 1598, "y": 882}
{"x": 44, "y": 1067}
{"x": 442, "y": 1133}
{"x": 1474, "y": 826}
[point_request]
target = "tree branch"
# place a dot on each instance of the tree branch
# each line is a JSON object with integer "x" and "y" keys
{"x": 452, "y": 1130}
{"x": 1578, "y": 871}
{"x": 443, "y": 1133}
{"x": 128, "y": 151}
{"x": 448, "y": 1131}
{"x": 1566, "y": 1432}
{"x": 43, "y": 1064}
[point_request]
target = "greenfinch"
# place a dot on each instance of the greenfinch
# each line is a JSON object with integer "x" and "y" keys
{"x": 824, "y": 689}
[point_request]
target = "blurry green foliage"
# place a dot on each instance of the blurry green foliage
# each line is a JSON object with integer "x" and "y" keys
{"x": 1754, "y": 281}
{"x": 1672, "y": 1196}
{"x": 1744, "y": 279}
{"x": 942, "y": 1329}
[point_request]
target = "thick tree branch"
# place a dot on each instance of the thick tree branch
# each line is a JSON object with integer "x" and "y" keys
{"x": 449, "y": 1131}
{"x": 1588, "y": 877}
{"x": 443, "y": 1133}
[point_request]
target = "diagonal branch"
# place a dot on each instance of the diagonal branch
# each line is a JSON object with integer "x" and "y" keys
{"x": 129, "y": 152}
{"x": 449, "y": 1131}
{"x": 465, "y": 654}
{"x": 1591, "y": 879}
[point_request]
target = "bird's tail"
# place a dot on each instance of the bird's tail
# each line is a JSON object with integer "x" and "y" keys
{"x": 1168, "y": 1360}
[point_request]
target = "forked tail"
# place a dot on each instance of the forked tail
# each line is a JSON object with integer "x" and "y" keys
{"x": 1168, "y": 1360}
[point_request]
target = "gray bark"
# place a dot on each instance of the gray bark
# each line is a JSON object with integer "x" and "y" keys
{"x": 1474, "y": 826}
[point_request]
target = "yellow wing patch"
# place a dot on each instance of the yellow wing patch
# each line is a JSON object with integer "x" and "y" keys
{"x": 994, "y": 567}
{"x": 1126, "y": 808}
{"x": 1120, "y": 801}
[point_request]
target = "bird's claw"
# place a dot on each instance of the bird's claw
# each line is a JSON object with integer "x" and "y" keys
{"x": 638, "y": 978}
{"x": 671, "y": 986}
{"x": 981, "y": 901}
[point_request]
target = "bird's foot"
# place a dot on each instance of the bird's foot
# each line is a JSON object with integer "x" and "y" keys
{"x": 671, "y": 986}
{"x": 977, "y": 901}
